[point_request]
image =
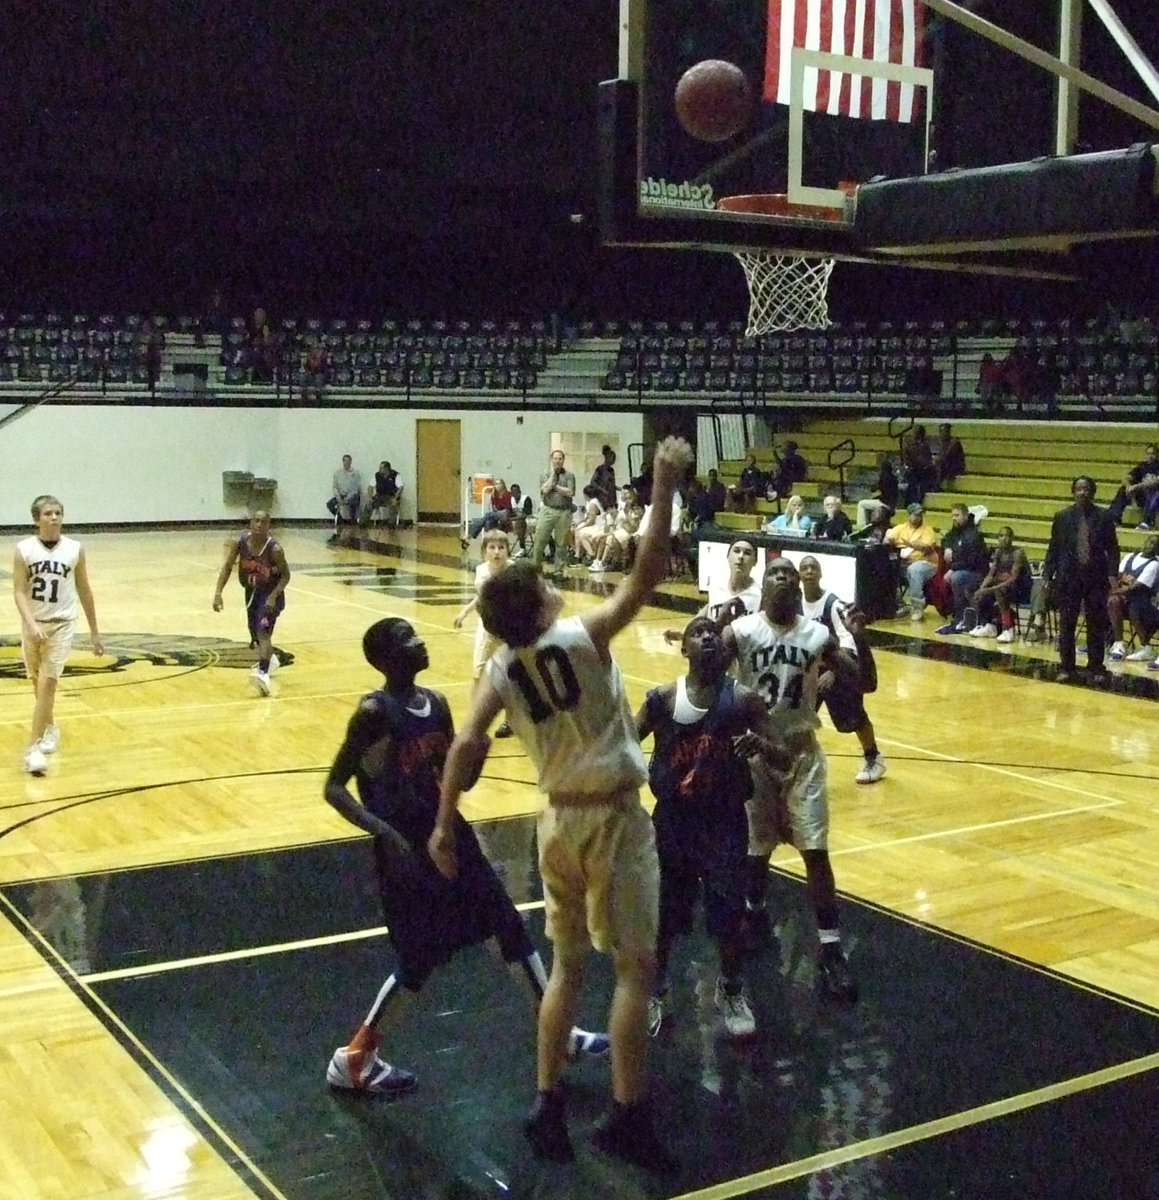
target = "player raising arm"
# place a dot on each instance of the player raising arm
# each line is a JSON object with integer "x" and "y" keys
{"x": 564, "y": 697}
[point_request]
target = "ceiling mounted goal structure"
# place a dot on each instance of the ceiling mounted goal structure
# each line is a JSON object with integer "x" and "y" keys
{"x": 862, "y": 124}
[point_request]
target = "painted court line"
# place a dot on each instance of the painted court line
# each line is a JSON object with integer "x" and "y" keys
{"x": 182, "y": 964}
{"x": 829, "y": 1159}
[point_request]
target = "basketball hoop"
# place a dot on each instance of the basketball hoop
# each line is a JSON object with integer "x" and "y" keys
{"x": 786, "y": 291}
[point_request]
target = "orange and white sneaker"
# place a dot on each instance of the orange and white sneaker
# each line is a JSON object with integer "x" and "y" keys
{"x": 357, "y": 1068}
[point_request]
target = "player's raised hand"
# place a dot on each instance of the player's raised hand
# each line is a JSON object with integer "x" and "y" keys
{"x": 673, "y": 458}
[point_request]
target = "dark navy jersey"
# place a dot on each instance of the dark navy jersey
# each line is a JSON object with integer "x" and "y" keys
{"x": 258, "y": 573}
{"x": 402, "y": 788}
{"x": 694, "y": 766}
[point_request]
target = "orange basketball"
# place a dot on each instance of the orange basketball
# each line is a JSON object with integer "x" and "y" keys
{"x": 713, "y": 100}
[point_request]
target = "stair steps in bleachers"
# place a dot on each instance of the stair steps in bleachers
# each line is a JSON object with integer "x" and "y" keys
{"x": 1021, "y": 471}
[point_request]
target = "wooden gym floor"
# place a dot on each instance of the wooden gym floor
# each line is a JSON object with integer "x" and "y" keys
{"x": 187, "y": 929}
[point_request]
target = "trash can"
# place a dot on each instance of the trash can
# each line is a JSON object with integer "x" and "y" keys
{"x": 236, "y": 486}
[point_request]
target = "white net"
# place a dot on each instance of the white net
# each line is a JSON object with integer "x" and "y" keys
{"x": 786, "y": 291}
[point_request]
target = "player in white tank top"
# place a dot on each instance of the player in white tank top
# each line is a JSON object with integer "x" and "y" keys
{"x": 730, "y": 598}
{"x": 597, "y": 849}
{"x": 50, "y": 581}
{"x": 854, "y": 674}
{"x": 780, "y": 655}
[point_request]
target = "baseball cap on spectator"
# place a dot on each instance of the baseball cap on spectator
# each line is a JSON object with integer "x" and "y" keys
{"x": 914, "y": 509}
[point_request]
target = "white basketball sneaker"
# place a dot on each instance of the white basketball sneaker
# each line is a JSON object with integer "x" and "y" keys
{"x": 50, "y": 739}
{"x": 34, "y": 761}
{"x": 357, "y": 1068}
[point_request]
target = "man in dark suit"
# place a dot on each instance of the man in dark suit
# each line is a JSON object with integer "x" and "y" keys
{"x": 1081, "y": 565}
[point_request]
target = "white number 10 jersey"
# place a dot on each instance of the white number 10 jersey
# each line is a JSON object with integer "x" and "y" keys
{"x": 569, "y": 709}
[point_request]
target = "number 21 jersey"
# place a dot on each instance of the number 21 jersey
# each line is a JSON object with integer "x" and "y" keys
{"x": 51, "y": 577}
{"x": 569, "y": 709}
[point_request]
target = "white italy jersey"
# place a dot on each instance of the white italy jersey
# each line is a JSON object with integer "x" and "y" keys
{"x": 569, "y": 710}
{"x": 815, "y": 611}
{"x": 51, "y": 577}
{"x": 782, "y": 666}
{"x": 721, "y": 594}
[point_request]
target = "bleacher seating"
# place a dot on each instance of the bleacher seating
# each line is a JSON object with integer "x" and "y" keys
{"x": 1068, "y": 365}
{"x": 1021, "y": 471}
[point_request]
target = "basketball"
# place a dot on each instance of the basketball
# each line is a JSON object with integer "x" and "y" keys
{"x": 713, "y": 100}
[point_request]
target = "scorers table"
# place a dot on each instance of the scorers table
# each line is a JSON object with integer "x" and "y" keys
{"x": 859, "y": 574}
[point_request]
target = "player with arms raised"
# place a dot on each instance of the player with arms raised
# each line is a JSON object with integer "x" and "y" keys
{"x": 780, "y": 655}
{"x": 565, "y": 699}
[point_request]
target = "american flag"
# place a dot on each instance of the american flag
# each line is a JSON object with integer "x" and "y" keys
{"x": 883, "y": 30}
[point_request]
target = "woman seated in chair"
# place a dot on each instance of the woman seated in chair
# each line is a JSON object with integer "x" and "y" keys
{"x": 794, "y": 520}
{"x": 614, "y": 547}
{"x": 1006, "y": 585}
{"x": 589, "y": 529}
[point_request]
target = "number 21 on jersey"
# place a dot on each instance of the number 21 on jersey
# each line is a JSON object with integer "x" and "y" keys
{"x": 45, "y": 589}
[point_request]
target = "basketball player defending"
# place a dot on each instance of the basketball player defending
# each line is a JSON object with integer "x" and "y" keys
{"x": 263, "y": 573}
{"x": 395, "y": 747}
{"x": 49, "y": 577}
{"x": 780, "y": 654}
{"x": 843, "y": 688}
{"x": 706, "y": 726}
{"x": 564, "y": 696}
{"x": 740, "y": 594}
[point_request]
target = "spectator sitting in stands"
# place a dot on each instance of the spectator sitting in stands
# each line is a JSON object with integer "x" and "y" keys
{"x": 875, "y": 532}
{"x": 835, "y": 525}
{"x": 917, "y": 459}
{"x": 1133, "y": 596}
{"x": 790, "y": 471}
{"x": 1141, "y": 488}
{"x": 967, "y": 561}
{"x": 386, "y": 495}
{"x": 794, "y": 520}
{"x": 623, "y": 532}
{"x": 991, "y": 383}
{"x": 917, "y": 550}
{"x": 884, "y": 494}
{"x": 315, "y": 365}
{"x": 699, "y": 507}
{"x": 522, "y": 511}
{"x": 951, "y": 455}
{"x": 346, "y": 494}
{"x": 716, "y": 491}
{"x": 590, "y": 526}
{"x": 743, "y": 495}
{"x": 500, "y": 515}
{"x": 1007, "y": 584}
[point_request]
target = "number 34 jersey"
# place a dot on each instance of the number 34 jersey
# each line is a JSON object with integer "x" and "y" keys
{"x": 782, "y": 666}
{"x": 51, "y": 577}
{"x": 569, "y": 709}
